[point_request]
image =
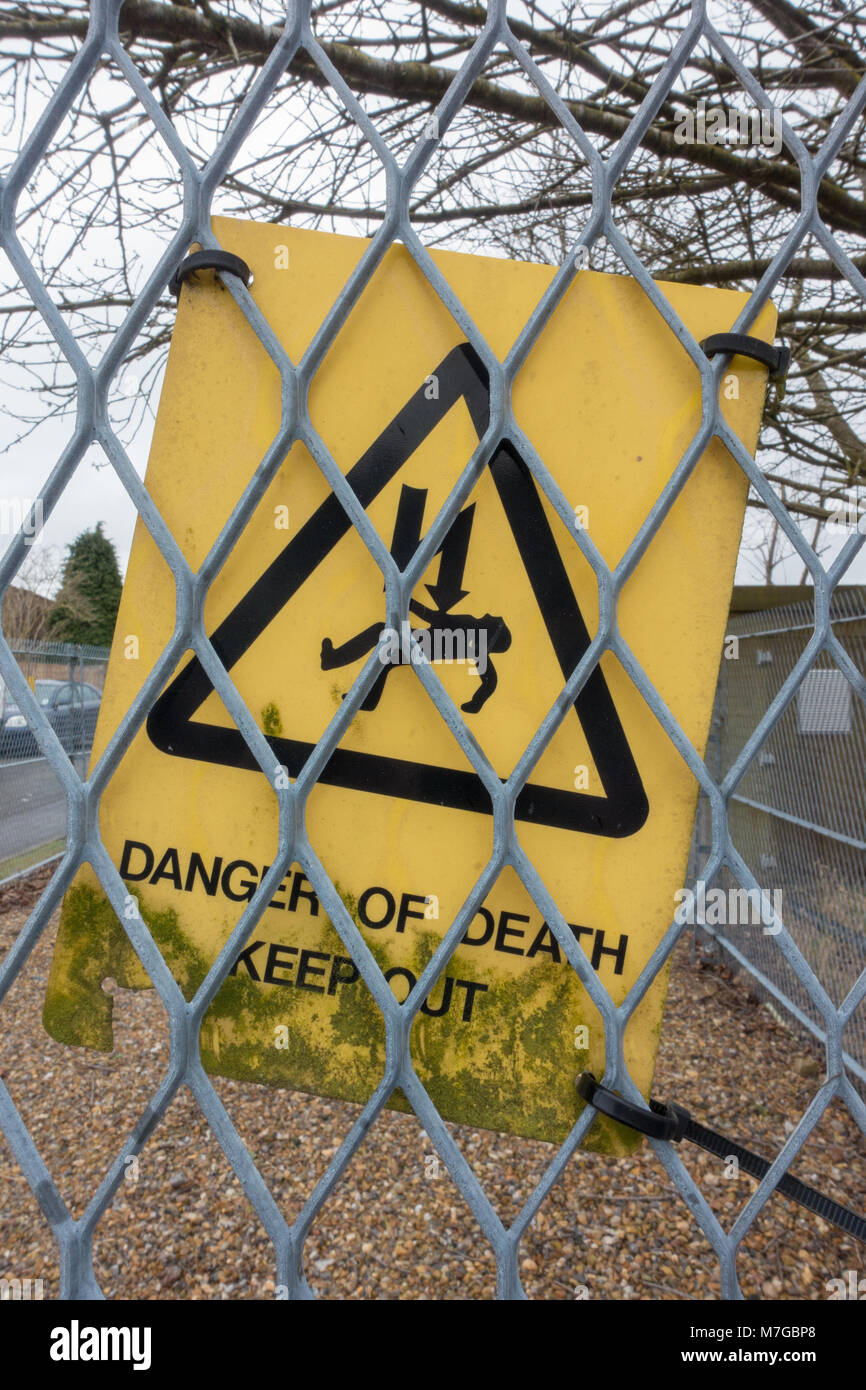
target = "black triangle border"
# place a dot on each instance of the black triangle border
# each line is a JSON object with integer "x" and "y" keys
{"x": 624, "y": 807}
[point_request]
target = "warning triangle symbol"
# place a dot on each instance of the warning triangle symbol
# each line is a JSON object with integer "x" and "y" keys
{"x": 624, "y": 807}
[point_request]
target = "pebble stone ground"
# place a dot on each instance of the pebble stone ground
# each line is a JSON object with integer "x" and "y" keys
{"x": 613, "y": 1228}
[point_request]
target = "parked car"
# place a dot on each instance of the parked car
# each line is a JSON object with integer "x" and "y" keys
{"x": 71, "y": 708}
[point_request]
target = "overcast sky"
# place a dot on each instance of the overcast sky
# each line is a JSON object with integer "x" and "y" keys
{"x": 96, "y": 494}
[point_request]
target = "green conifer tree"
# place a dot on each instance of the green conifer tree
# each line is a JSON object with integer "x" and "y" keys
{"x": 89, "y": 596}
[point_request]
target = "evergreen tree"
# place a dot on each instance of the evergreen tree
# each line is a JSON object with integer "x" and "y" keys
{"x": 87, "y": 602}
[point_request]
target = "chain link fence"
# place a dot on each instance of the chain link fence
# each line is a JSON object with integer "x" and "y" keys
{"x": 66, "y": 680}
{"x": 798, "y": 816}
{"x": 822, "y": 640}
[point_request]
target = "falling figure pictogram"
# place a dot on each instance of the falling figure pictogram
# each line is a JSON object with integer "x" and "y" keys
{"x": 445, "y": 593}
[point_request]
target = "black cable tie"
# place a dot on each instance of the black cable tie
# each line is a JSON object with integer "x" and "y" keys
{"x": 776, "y": 358}
{"x": 673, "y": 1122}
{"x": 661, "y": 1122}
{"x": 209, "y": 260}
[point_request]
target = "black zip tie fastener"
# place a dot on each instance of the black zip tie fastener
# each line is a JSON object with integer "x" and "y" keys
{"x": 209, "y": 260}
{"x": 778, "y": 359}
{"x": 674, "y": 1123}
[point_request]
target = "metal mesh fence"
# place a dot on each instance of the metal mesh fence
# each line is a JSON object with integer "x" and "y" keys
{"x": 798, "y": 815}
{"x": 73, "y": 1236}
{"x": 67, "y": 681}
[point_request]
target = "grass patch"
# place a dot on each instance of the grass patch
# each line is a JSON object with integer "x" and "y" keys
{"x": 17, "y": 862}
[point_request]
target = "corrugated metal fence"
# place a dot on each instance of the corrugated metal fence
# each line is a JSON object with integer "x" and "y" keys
{"x": 798, "y": 815}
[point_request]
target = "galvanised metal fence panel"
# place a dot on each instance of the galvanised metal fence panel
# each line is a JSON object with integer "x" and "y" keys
{"x": 798, "y": 815}
{"x": 32, "y": 801}
{"x": 74, "y": 1236}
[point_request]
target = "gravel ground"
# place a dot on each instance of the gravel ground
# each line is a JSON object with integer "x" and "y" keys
{"x": 613, "y": 1228}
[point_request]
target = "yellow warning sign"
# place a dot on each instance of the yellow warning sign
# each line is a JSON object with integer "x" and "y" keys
{"x": 507, "y": 606}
